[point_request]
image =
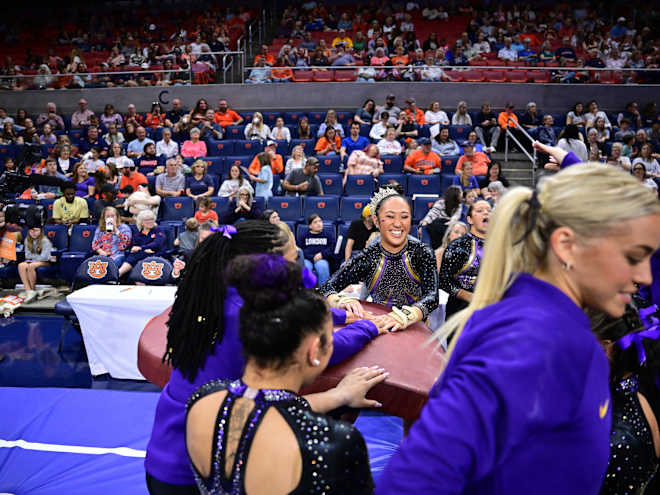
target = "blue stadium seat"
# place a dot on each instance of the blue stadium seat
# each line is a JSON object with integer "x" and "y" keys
{"x": 6, "y": 151}
{"x": 248, "y": 147}
{"x": 331, "y": 184}
{"x": 153, "y": 270}
{"x": 329, "y": 164}
{"x": 289, "y": 207}
{"x": 75, "y": 135}
{"x": 327, "y": 207}
{"x": 220, "y": 148}
{"x": 364, "y": 130}
{"x": 96, "y": 270}
{"x": 178, "y": 208}
{"x": 316, "y": 117}
{"x": 421, "y": 206}
{"x": 400, "y": 178}
{"x": 449, "y": 164}
{"x": 359, "y": 185}
{"x": 58, "y": 236}
{"x": 270, "y": 118}
{"x": 151, "y": 179}
{"x": 47, "y": 150}
{"x": 169, "y": 228}
{"x": 447, "y": 180}
{"x": 392, "y": 164}
{"x": 219, "y": 204}
{"x": 48, "y": 205}
{"x": 240, "y": 161}
{"x": 215, "y": 165}
{"x": 247, "y": 117}
{"x": 308, "y": 145}
{"x": 426, "y": 237}
{"x": 423, "y": 184}
{"x": 234, "y": 132}
{"x": 351, "y": 207}
{"x": 26, "y": 202}
{"x": 282, "y": 147}
{"x": 342, "y": 237}
{"x": 345, "y": 117}
{"x": 459, "y": 132}
{"x": 69, "y": 263}
{"x": 260, "y": 202}
{"x": 424, "y": 131}
{"x": 81, "y": 238}
{"x": 292, "y": 118}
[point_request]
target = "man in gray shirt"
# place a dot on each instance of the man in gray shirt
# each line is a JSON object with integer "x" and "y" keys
{"x": 304, "y": 181}
{"x": 390, "y": 108}
{"x": 172, "y": 182}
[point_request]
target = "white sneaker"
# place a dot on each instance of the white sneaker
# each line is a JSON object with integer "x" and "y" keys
{"x": 22, "y": 294}
{"x": 31, "y": 296}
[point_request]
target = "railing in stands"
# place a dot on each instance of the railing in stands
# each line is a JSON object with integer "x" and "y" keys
{"x": 510, "y": 135}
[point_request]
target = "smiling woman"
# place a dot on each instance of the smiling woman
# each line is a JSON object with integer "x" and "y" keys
{"x": 398, "y": 271}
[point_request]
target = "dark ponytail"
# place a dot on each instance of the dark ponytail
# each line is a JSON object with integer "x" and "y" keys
{"x": 278, "y": 311}
{"x": 197, "y": 316}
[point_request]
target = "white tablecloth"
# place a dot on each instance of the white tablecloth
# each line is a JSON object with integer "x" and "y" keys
{"x": 112, "y": 318}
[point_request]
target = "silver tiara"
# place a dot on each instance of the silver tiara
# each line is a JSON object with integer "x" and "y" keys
{"x": 382, "y": 194}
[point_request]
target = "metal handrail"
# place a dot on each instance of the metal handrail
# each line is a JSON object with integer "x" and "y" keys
{"x": 509, "y": 134}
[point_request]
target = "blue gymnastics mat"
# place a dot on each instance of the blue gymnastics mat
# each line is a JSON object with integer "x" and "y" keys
{"x": 80, "y": 441}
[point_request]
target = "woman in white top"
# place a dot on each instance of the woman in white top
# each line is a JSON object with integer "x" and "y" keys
{"x": 461, "y": 117}
{"x": 571, "y": 140}
{"x": 616, "y": 160}
{"x": 233, "y": 183}
{"x": 577, "y": 115}
{"x": 593, "y": 113}
{"x": 279, "y": 132}
{"x": 435, "y": 116}
{"x": 297, "y": 159}
{"x": 650, "y": 163}
{"x": 330, "y": 121}
{"x": 639, "y": 171}
{"x": 257, "y": 130}
{"x": 602, "y": 130}
{"x": 389, "y": 145}
{"x": 166, "y": 146}
{"x": 113, "y": 135}
{"x": 64, "y": 161}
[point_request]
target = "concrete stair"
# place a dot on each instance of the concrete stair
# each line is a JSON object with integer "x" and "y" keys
{"x": 518, "y": 169}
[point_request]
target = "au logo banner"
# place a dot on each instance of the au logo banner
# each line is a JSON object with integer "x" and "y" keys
{"x": 152, "y": 270}
{"x": 97, "y": 269}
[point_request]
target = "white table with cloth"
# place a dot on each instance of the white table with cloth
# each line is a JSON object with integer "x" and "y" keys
{"x": 112, "y": 318}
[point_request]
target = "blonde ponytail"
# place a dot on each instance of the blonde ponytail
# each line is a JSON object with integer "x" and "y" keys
{"x": 587, "y": 198}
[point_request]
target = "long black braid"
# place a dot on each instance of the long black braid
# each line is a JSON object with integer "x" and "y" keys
{"x": 196, "y": 319}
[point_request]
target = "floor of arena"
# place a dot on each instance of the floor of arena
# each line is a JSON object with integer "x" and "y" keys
{"x": 64, "y": 432}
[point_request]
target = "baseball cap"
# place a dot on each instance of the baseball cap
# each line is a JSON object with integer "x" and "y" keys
{"x": 124, "y": 162}
{"x": 391, "y": 95}
{"x": 410, "y": 99}
{"x": 270, "y": 142}
{"x": 621, "y": 19}
{"x": 424, "y": 141}
{"x": 509, "y": 105}
{"x": 107, "y": 188}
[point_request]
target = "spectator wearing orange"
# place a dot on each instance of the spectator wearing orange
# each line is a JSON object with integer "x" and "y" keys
{"x": 282, "y": 72}
{"x": 276, "y": 161}
{"x": 225, "y": 116}
{"x": 342, "y": 39}
{"x": 412, "y": 110}
{"x": 205, "y": 212}
{"x": 129, "y": 176}
{"x": 478, "y": 159}
{"x": 155, "y": 118}
{"x": 400, "y": 57}
{"x": 267, "y": 57}
{"x": 329, "y": 144}
{"x": 505, "y": 118}
{"x": 423, "y": 160}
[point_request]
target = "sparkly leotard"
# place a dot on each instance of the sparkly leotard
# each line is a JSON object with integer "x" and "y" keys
{"x": 632, "y": 456}
{"x": 460, "y": 266}
{"x": 334, "y": 455}
{"x": 408, "y": 277}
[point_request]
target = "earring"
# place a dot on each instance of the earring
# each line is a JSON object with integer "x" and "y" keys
{"x": 316, "y": 362}
{"x": 567, "y": 267}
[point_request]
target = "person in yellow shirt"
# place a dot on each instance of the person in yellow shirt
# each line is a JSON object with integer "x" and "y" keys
{"x": 69, "y": 209}
{"x": 343, "y": 39}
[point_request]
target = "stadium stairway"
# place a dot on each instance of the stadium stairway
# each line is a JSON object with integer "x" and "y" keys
{"x": 517, "y": 169}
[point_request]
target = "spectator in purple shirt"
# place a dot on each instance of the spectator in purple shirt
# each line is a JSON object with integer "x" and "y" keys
{"x": 523, "y": 405}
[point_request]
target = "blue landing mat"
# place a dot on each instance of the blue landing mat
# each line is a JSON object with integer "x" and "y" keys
{"x": 66, "y": 432}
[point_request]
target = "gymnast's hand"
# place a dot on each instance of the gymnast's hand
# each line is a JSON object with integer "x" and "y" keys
{"x": 386, "y": 323}
{"x": 355, "y": 308}
{"x": 353, "y": 388}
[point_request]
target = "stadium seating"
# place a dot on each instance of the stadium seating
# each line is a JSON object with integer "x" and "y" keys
{"x": 178, "y": 208}
{"x": 421, "y": 206}
{"x": 423, "y": 184}
{"x": 288, "y": 207}
{"x": 331, "y": 183}
{"x": 359, "y": 185}
{"x": 351, "y": 207}
{"x": 327, "y": 207}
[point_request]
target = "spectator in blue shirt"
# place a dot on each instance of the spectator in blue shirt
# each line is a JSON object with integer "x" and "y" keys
{"x": 352, "y": 142}
{"x": 136, "y": 147}
{"x": 93, "y": 140}
{"x": 527, "y": 54}
{"x": 466, "y": 180}
{"x": 619, "y": 29}
{"x": 565, "y": 51}
{"x": 546, "y": 133}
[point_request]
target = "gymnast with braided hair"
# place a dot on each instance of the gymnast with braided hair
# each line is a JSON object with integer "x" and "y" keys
{"x": 203, "y": 344}
{"x": 256, "y": 435}
{"x": 398, "y": 271}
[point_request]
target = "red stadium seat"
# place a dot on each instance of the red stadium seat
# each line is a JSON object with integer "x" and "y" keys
{"x": 322, "y": 75}
{"x": 516, "y": 63}
{"x": 302, "y": 76}
{"x": 454, "y": 75}
{"x": 345, "y": 75}
{"x": 539, "y": 76}
{"x": 516, "y": 76}
{"x": 473, "y": 75}
{"x": 495, "y": 75}
{"x": 610, "y": 77}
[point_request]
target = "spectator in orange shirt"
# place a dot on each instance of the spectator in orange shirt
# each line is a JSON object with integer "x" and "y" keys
{"x": 423, "y": 161}
{"x": 329, "y": 144}
{"x": 282, "y": 72}
{"x": 276, "y": 161}
{"x": 267, "y": 57}
{"x": 225, "y": 116}
{"x": 205, "y": 213}
{"x": 478, "y": 159}
{"x": 129, "y": 177}
{"x": 504, "y": 120}
{"x": 412, "y": 110}
{"x": 155, "y": 118}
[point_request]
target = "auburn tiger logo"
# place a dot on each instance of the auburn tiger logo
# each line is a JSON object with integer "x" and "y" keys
{"x": 152, "y": 270}
{"x": 320, "y": 204}
{"x": 177, "y": 206}
{"x": 51, "y": 234}
{"x": 97, "y": 269}
{"x": 425, "y": 182}
{"x": 357, "y": 206}
{"x": 360, "y": 182}
{"x": 86, "y": 233}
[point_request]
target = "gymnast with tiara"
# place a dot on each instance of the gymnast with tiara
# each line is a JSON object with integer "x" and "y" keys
{"x": 398, "y": 271}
